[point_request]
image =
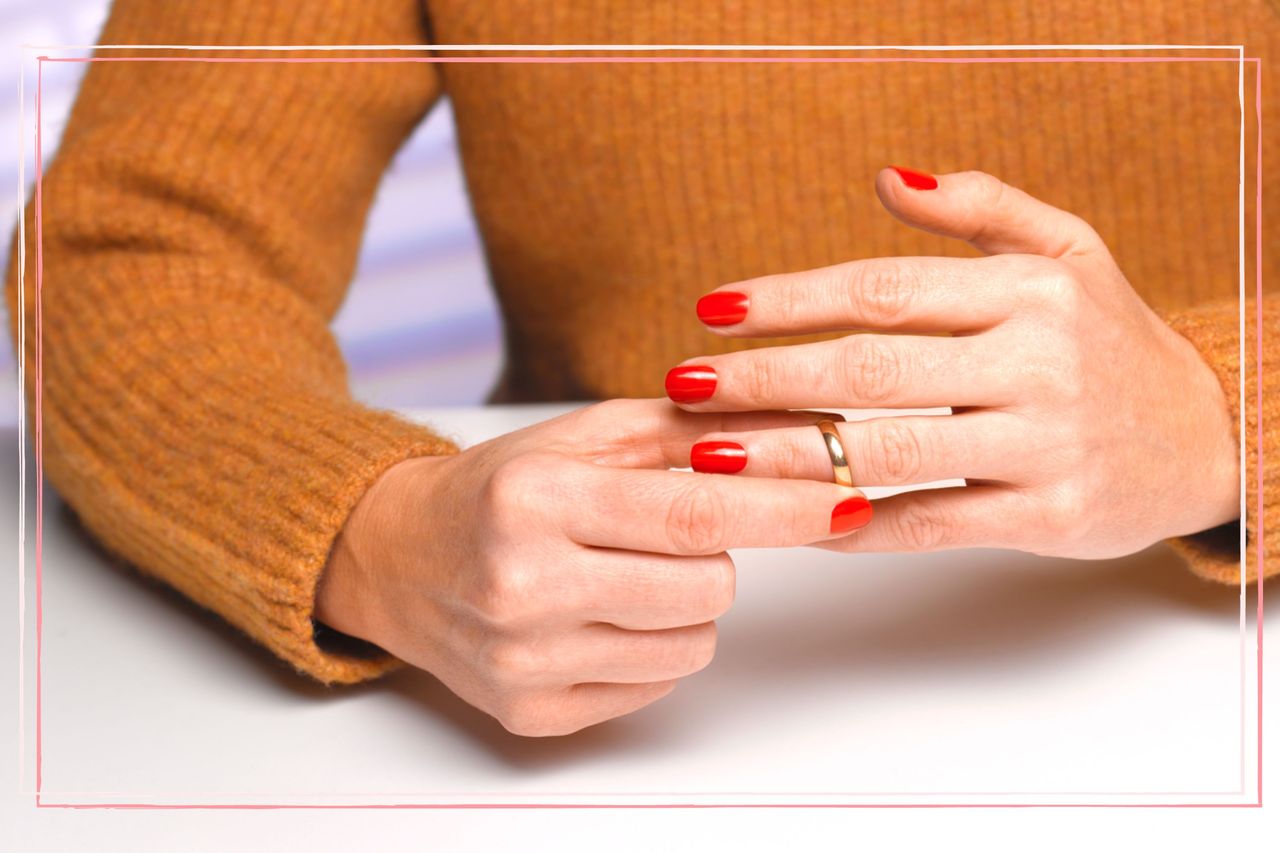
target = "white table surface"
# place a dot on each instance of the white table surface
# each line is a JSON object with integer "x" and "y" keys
{"x": 970, "y": 676}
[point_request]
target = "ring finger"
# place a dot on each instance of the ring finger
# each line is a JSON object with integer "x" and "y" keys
{"x": 891, "y": 451}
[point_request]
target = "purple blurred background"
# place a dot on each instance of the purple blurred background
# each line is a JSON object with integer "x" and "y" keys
{"x": 419, "y": 327}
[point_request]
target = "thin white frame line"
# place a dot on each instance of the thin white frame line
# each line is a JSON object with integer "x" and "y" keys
{"x": 645, "y": 47}
{"x": 615, "y": 47}
{"x": 1244, "y": 459}
{"x": 22, "y": 424}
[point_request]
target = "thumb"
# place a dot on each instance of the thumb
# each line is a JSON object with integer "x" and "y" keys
{"x": 985, "y": 212}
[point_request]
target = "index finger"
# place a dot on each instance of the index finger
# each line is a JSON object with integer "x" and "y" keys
{"x": 653, "y": 433}
{"x": 674, "y": 512}
{"x": 891, "y": 294}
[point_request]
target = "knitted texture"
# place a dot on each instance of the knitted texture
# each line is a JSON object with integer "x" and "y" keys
{"x": 201, "y": 223}
{"x": 1214, "y": 329}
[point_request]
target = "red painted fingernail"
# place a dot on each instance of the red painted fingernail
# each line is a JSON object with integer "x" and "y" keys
{"x": 916, "y": 180}
{"x": 722, "y": 308}
{"x": 850, "y": 515}
{"x": 718, "y": 457}
{"x": 691, "y": 384}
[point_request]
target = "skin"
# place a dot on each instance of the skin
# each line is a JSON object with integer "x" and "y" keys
{"x": 563, "y": 575}
{"x": 1083, "y": 425}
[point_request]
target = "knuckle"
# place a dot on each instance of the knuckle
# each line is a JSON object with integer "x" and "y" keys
{"x": 618, "y": 410}
{"x": 759, "y": 379}
{"x": 990, "y": 190}
{"x": 514, "y": 488}
{"x": 506, "y": 595}
{"x": 512, "y": 662}
{"x": 1063, "y": 514}
{"x": 1059, "y": 289}
{"x": 989, "y": 194}
{"x": 791, "y": 457}
{"x": 788, "y": 303}
{"x": 874, "y": 369}
{"x": 898, "y": 454}
{"x": 530, "y": 716}
{"x": 720, "y": 590}
{"x": 1085, "y": 238}
{"x": 881, "y": 292}
{"x": 696, "y": 520}
{"x": 700, "y": 650}
{"x": 920, "y": 528}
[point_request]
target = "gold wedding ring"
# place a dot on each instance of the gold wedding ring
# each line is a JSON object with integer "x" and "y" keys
{"x": 839, "y": 462}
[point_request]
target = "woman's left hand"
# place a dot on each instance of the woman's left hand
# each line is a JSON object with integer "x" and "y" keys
{"x": 1083, "y": 425}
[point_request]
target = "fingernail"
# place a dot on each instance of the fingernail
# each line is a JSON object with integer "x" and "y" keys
{"x": 718, "y": 457}
{"x": 850, "y": 515}
{"x": 916, "y": 180}
{"x": 691, "y": 384}
{"x": 722, "y": 308}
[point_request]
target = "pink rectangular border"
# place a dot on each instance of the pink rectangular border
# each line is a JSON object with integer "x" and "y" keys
{"x": 39, "y": 386}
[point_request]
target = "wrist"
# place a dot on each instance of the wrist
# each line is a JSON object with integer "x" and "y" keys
{"x": 352, "y": 586}
{"x": 1221, "y": 449}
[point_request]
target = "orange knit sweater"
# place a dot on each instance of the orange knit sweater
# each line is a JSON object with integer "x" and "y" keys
{"x": 201, "y": 223}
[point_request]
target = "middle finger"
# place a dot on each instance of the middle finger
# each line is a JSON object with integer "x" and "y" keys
{"x": 858, "y": 371}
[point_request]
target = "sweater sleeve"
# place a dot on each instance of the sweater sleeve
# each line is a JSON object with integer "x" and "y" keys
{"x": 1214, "y": 329}
{"x": 199, "y": 225}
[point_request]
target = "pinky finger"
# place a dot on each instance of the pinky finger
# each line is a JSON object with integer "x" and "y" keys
{"x": 941, "y": 519}
{"x": 582, "y": 705}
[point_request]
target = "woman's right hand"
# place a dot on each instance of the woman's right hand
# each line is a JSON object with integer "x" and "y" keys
{"x": 560, "y": 576}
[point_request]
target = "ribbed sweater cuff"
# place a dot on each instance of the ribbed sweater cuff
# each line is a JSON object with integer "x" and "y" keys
{"x": 1214, "y": 329}
{"x": 250, "y": 539}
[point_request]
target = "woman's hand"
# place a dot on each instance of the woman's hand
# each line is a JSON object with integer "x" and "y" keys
{"x": 559, "y": 576}
{"x": 1084, "y": 426}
